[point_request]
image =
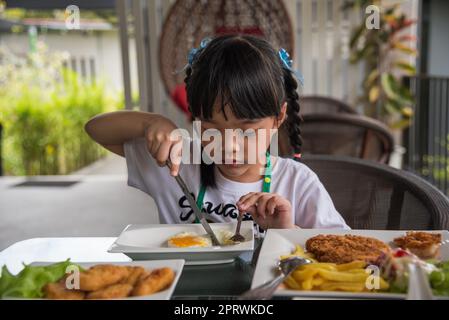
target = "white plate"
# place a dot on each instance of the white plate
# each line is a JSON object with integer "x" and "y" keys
{"x": 149, "y": 242}
{"x": 282, "y": 242}
{"x": 175, "y": 265}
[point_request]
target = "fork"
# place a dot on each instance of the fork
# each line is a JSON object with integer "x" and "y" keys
{"x": 237, "y": 237}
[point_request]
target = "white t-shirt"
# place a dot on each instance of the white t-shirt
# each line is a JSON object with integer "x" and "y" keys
{"x": 312, "y": 205}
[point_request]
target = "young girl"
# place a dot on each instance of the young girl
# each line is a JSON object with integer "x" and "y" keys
{"x": 232, "y": 82}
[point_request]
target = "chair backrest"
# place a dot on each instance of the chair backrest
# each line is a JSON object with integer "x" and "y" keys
{"x": 346, "y": 135}
{"x": 371, "y": 195}
{"x": 321, "y": 104}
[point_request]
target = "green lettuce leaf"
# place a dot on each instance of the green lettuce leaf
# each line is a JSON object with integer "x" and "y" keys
{"x": 30, "y": 281}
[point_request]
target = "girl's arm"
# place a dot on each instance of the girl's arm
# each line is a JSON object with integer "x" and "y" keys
{"x": 113, "y": 129}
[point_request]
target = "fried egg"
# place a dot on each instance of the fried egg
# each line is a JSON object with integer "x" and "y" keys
{"x": 224, "y": 237}
{"x": 189, "y": 240}
{"x": 194, "y": 240}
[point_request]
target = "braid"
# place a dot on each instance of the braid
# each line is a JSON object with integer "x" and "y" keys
{"x": 293, "y": 117}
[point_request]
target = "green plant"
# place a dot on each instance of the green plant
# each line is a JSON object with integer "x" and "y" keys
{"x": 436, "y": 166}
{"x": 384, "y": 52}
{"x": 43, "y": 108}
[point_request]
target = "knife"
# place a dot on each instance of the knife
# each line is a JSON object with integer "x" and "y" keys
{"x": 198, "y": 213}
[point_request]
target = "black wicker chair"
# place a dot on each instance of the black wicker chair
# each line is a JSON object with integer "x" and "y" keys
{"x": 322, "y": 104}
{"x": 370, "y": 195}
{"x": 346, "y": 135}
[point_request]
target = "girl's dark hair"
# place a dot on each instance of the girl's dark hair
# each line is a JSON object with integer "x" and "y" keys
{"x": 245, "y": 73}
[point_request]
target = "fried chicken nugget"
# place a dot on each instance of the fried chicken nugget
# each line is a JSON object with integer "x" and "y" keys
{"x": 58, "y": 291}
{"x": 134, "y": 275}
{"x": 101, "y": 276}
{"x": 116, "y": 291}
{"x": 158, "y": 280}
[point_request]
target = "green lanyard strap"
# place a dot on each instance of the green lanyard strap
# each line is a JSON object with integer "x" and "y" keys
{"x": 200, "y": 199}
{"x": 265, "y": 187}
{"x": 267, "y": 177}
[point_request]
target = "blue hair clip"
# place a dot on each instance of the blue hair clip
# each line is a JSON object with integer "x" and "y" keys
{"x": 288, "y": 64}
{"x": 193, "y": 52}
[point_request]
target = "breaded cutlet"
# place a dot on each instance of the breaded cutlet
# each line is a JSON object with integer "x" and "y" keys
{"x": 346, "y": 248}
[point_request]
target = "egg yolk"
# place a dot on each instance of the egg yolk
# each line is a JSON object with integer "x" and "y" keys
{"x": 187, "y": 241}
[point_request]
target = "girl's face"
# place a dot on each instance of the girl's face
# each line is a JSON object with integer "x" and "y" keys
{"x": 241, "y": 155}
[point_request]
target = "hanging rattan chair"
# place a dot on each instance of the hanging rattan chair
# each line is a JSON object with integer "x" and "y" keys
{"x": 189, "y": 21}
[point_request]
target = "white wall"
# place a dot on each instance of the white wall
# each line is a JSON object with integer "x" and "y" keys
{"x": 103, "y": 47}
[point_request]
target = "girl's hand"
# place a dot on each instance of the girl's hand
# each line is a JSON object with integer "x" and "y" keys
{"x": 269, "y": 210}
{"x": 161, "y": 145}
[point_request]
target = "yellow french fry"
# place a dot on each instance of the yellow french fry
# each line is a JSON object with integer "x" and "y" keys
{"x": 302, "y": 275}
{"x": 307, "y": 284}
{"x": 299, "y": 250}
{"x": 351, "y": 266}
{"x": 356, "y": 271}
{"x": 291, "y": 283}
{"x": 384, "y": 285}
{"x": 343, "y": 276}
{"x": 316, "y": 282}
{"x": 319, "y": 266}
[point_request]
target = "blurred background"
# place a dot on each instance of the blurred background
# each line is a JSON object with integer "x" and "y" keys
{"x": 376, "y": 73}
